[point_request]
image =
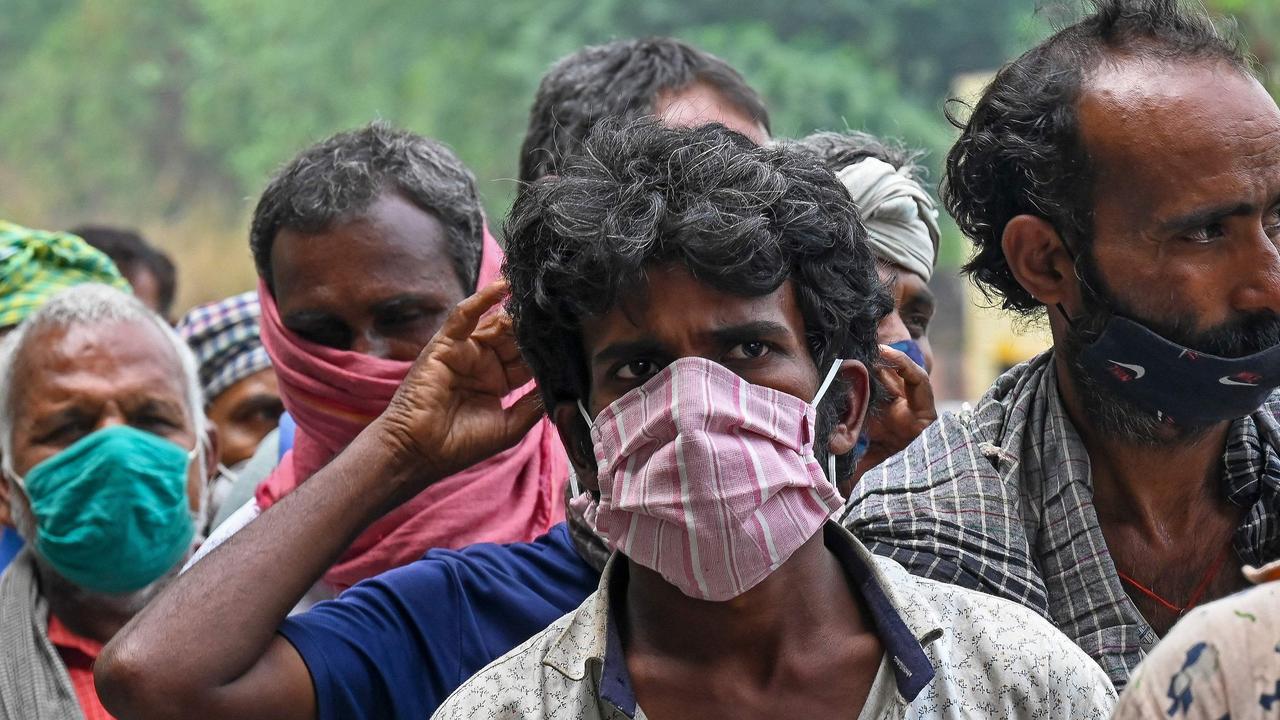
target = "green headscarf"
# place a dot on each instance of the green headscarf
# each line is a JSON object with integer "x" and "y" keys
{"x": 35, "y": 265}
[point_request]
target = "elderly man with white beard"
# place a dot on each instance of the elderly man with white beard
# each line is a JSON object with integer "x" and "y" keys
{"x": 106, "y": 459}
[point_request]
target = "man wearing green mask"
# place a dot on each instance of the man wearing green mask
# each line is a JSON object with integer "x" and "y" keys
{"x": 35, "y": 265}
{"x": 106, "y": 458}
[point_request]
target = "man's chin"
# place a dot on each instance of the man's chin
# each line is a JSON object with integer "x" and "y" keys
{"x": 124, "y": 604}
{"x": 1118, "y": 418}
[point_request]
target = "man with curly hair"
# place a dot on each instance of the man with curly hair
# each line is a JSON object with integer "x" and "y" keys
{"x": 1122, "y": 178}
{"x": 700, "y": 314}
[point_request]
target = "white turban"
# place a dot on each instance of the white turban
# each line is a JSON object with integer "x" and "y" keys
{"x": 900, "y": 217}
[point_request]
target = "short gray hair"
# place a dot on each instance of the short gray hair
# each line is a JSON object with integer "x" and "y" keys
{"x": 340, "y": 178}
{"x": 91, "y": 304}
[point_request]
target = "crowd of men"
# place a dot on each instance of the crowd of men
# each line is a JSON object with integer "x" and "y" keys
{"x": 669, "y": 449}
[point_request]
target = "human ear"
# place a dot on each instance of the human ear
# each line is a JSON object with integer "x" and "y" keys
{"x": 201, "y": 478}
{"x": 1039, "y": 260}
{"x": 576, "y": 437}
{"x": 213, "y": 451}
{"x": 844, "y": 436}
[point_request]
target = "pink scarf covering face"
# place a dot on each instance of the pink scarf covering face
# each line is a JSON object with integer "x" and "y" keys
{"x": 513, "y": 496}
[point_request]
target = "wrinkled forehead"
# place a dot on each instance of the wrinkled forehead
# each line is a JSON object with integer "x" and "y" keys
{"x": 1182, "y": 131}
{"x": 117, "y": 359}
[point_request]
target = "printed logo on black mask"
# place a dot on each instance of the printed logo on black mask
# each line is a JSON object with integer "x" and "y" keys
{"x": 1246, "y": 379}
{"x": 1125, "y": 372}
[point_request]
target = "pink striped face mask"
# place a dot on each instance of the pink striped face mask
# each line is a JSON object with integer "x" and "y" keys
{"x": 709, "y": 480}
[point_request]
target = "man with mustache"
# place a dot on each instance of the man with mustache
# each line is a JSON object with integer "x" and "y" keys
{"x": 1122, "y": 178}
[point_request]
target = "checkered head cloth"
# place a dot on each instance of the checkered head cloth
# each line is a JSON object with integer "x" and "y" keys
{"x": 224, "y": 336}
{"x": 35, "y": 265}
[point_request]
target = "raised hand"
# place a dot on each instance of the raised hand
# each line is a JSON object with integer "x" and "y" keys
{"x": 448, "y": 414}
{"x": 905, "y": 411}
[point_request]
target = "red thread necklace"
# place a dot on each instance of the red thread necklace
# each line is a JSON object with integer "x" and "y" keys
{"x": 1196, "y": 594}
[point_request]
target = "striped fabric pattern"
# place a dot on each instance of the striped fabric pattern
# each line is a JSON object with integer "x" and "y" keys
{"x": 708, "y": 479}
{"x": 35, "y": 265}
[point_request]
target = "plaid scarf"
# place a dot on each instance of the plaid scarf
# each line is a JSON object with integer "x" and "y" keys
{"x": 1000, "y": 499}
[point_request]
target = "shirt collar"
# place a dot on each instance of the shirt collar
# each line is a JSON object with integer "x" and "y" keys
{"x": 65, "y": 638}
{"x": 903, "y": 621}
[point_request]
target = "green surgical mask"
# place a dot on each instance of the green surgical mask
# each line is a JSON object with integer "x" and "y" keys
{"x": 111, "y": 511}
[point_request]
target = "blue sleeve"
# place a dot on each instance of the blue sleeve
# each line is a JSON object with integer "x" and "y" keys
{"x": 10, "y": 546}
{"x": 396, "y": 645}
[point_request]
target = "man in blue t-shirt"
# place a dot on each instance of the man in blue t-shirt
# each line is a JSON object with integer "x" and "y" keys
{"x": 396, "y": 645}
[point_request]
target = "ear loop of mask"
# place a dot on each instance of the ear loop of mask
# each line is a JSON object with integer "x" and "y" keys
{"x": 822, "y": 390}
{"x": 1084, "y": 285}
{"x": 573, "y": 475}
{"x": 198, "y": 454}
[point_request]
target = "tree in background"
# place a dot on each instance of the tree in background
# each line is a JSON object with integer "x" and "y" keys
{"x": 170, "y": 114}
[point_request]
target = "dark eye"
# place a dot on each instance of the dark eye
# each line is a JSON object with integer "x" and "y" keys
{"x": 1207, "y": 234}
{"x": 636, "y": 370}
{"x": 917, "y": 324}
{"x": 265, "y": 410}
{"x": 1271, "y": 221}
{"x": 402, "y": 316}
{"x": 64, "y": 434}
{"x": 332, "y": 335}
{"x": 752, "y": 350}
{"x": 153, "y": 422}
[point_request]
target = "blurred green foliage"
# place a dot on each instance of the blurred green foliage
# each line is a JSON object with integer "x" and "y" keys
{"x": 138, "y": 111}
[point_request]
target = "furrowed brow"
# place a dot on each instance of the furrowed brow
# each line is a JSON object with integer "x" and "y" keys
{"x": 749, "y": 331}
{"x": 1208, "y": 216}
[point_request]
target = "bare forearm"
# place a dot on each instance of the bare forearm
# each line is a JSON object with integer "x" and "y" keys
{"x": 211, "y": 627}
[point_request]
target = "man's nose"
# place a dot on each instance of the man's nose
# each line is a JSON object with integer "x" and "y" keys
{"x": 111, "y": 416}
{"x": 370, "y": 342}
{"x": 1260, "y": 290}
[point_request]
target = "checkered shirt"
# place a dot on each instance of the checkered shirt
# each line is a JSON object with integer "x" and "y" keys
{"x": 1000, "y": 499}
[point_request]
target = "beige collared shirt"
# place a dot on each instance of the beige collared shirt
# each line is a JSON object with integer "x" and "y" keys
{"x": 949, "y": 653}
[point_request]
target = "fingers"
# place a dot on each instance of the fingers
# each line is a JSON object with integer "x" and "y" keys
{"x": 522, "y": 416}
{"x": 917, "y": 389}
{"x": 466, "y": 316}
{"x": 496, "y": 335}
{"x": 902, "y": 364}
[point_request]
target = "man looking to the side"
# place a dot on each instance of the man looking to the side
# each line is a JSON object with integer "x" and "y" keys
{"x": 241, "y": 392}
{"x": 1123, "y": 177}
{"x": 884, "y": 180}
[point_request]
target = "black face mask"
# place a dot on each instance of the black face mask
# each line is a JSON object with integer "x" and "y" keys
{"x": 1181, "y": 385}
{"x": 1177, "y": 384}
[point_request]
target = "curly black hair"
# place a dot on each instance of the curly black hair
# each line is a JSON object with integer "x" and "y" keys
{"x": 337, "y": 179}
{"x": 742, "y": 218}
{"x": 621, "y": 79}
{"x": 1021, "y": 152}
